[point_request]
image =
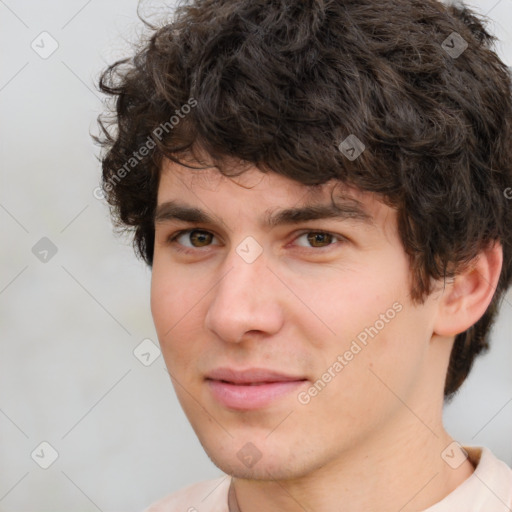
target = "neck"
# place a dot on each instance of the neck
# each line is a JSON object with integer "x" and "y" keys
{"x": 392, "y": 472}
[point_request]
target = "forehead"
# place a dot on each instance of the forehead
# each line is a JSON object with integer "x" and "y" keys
{"x": 256, "y": 191}
{"x": 176, "y": 178}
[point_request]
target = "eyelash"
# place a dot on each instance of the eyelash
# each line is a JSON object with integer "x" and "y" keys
{"x": 171, "y": 239}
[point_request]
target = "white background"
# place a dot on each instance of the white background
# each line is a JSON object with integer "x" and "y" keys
{"x": 69, "y": 326}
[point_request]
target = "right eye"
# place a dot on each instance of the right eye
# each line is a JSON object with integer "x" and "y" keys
{"x": 194, "y": 236}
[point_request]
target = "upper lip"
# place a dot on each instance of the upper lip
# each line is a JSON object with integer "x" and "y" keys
{"x": 250, "y": 375}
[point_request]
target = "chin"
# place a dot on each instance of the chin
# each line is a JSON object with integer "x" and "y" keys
{"x": 268, "y": 471}
{"x": 247, "y": 462}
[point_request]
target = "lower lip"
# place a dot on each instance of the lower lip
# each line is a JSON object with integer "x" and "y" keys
{"x": 246, "y": 397}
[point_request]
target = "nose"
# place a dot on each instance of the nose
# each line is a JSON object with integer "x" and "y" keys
{"x": 247, "y": 299}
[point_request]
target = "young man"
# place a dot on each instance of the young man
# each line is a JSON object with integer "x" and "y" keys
{"x": 321, "y": 190}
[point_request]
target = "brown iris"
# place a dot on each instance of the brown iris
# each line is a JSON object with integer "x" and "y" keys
{"x": 320, "y": 238}
{"x": 203, "y": 237}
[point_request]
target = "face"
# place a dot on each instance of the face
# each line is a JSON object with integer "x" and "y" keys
{"x": 283, "y": 338}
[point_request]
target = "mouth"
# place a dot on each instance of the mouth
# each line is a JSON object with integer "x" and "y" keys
{"x": 248, "y": 383}
{"x": 250, "y": 389}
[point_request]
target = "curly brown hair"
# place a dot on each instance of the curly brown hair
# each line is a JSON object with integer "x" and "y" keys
{"x": 280, "y": 83}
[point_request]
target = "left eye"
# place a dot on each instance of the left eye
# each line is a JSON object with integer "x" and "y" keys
{"x": 318, "y": 237}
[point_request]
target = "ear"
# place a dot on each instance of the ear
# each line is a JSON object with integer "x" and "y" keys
{"x": 464, "y": 301}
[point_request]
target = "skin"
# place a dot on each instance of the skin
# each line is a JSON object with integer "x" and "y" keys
{"x": 372, "y": 438}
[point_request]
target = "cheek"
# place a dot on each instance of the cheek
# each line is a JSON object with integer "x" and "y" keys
{"x": 388, "y": 363}
{"x": 173, "y": 293}
{"x": 170, "y": 303}
{"x": 177, "y": 307}
{"x": 164, "y": 300}
{"x": 363, "y": 394}
{"x": 358, "y": 303}
{"x": 375, "y": 329}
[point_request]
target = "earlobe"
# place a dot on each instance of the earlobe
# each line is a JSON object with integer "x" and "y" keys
{"x": 466, "y": 298}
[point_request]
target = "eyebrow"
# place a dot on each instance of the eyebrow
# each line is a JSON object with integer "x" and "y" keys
{"x": 342, "y": 210}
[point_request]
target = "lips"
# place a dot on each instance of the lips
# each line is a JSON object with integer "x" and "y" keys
{"x": 250, "y": 389}
{"x": 252, "y": 376}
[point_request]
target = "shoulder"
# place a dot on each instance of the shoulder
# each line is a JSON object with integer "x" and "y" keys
{"x": 495, "y": 470}
{"x": 205, "y": 496}
{"x": 488, "y": 489}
